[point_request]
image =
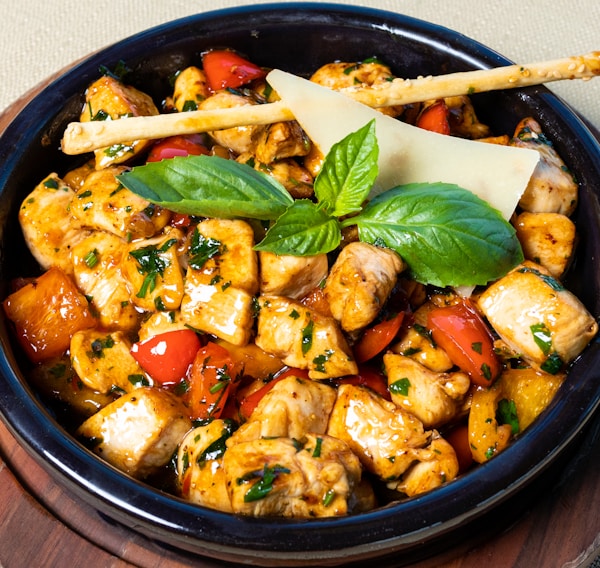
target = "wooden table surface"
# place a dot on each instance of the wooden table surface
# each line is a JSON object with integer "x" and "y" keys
{"x": 43, "y": 525}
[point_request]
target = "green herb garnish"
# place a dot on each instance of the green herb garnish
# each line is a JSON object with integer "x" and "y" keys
{"x": 446, "y": 235}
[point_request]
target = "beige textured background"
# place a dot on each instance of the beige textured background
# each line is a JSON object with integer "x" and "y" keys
{"x": 38, "y": 39}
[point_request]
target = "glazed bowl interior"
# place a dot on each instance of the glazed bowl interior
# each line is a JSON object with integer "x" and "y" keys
{"x": 297, "y": 38}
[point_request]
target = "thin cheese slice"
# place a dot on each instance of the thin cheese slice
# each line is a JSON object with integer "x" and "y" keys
{"x": 407, "y": 154}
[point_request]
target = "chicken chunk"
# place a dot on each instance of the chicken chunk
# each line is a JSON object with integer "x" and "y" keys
{"x": 551, "y": 188}
{"x": 103, "y": 361}
{"x": 303, "y": 338}
{"x": 415, "y": 342}
{"x": 200, "y": 472}
{"x": 289, "y": 173}
{"x": 103, "y": 204}
{"x": 109, "y": 99}
{"x": 221, "y": 280}
{"x": 280, "y": 140}
{"x": 152, "y": 270}
{"x": 161, "y": 322}
{"x": 548, "y": 239}
{"x": 97, "y": 273}
{"x": 190, "y": 89}
{"x": 538, "y": 318}
{"x": 433, "y": 470}
{"x": 139, "y": 432}
{"x": 434, "y": 398}
{"x": 386, "y": 438}
{"x": 291, "y": 276}
{"x": 360, "y": 282}
{"x": 291, "y": 409}
{"x": 343, "y": 75}
{"x": 312, "y": 477}
{"x": 463, "y": 119}
{"x": 46, "y": 224}
{"x": 241, "y": 138}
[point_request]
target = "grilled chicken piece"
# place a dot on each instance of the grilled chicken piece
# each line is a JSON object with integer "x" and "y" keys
{"x": 537, "y": 318}
{"x": 279, "y": 141}
{"x": 74, "y": 178}
{"x": 463, "y": 119}
{"x": 274, "y": 476}
{"x": 417, "y": 344}
{"x": 55, "y": 379}
{"x": 551, "y": 188}
{"x": 438, "y": 464}
{"x": 291, "y": 409}
{"x": 152, "y": 270}
{"x": 103, "y": 361}
{"x": 386, "y": 438}
{"x": 291, "y": 276}
{"x": 190, "y": 89}
{"x": 342, "y": 75}
{"x": 104, "y": 204}
{"x": 109, "y": 99}
{"x": 160, "y": 322}
{"x": 241, "y": 138}
{"x": 434, "y": 398}
{"x": 139, "y": 432}
{"x": 360, "y": 282}
{"x": 303, "y": 338}
{"x": 219, "y": 291}
{"x": 288, "y": 172}
{"x": 96, "y": 269}
{"x": 548, "y": 239}
{"x": 200, "y": 473}
{"x": 46, "y": 224}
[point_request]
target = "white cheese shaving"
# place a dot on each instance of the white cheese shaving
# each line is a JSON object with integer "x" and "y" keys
{"x": 407, "y": 154}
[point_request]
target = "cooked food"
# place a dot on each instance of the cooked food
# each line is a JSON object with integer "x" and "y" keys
{"x": 240, "y": 318}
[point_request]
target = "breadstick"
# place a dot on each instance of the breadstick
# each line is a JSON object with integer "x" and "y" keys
{"x": 82, "y": 137}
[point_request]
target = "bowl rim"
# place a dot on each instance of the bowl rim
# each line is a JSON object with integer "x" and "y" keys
{"x": 161, "y": 514}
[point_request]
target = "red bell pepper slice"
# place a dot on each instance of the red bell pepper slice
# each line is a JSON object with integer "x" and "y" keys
{"x": 462, "y": 333}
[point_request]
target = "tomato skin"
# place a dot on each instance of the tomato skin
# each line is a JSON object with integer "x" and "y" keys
{"x": 249, "y": 403}
{"x": 435, "y": 118}
{"x": 368, "y": 377}
{"x": 225, "y": 69}
{"x": 177, "y": 146}
{"x": 210, "y": 379}
{"x": 462, "y": 333}
{"x": 166, "y": 357}
{"x": 376, "y": 338}
{"x": 458, "y": 438}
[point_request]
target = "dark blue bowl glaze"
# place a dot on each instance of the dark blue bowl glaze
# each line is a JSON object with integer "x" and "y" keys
{"x": 299, "y": 38}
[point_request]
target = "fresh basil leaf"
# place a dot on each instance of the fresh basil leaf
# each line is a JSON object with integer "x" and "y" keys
{"x": 349, "y": 172}
{"x": 209, "y": 186}
{"x": 447, "y": 235}
{"x": 303, "y": 230}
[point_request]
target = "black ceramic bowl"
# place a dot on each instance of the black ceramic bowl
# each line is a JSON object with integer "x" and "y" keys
{"x": 299, "y": 38}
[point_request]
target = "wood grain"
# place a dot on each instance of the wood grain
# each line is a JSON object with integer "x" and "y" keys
{"x": 41, "y": 524}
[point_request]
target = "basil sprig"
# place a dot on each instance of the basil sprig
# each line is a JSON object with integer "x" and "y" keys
{"x": 446, "y": 234}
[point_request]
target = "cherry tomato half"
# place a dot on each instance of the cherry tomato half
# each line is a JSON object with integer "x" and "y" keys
{"x": 167, "y": 356}
{"x": 461, "y": 332}
{"x": 225, "y": 69}
{"x": 435, "y": 118}
{"x": 211, "y": 379}
{"x": 375, "y": 339}
{"x": 173, "y": 146}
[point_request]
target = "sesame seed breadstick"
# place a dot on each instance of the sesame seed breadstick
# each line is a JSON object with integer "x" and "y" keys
{"x": 405, "y": 91}
{"x": 82, "y": 137}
